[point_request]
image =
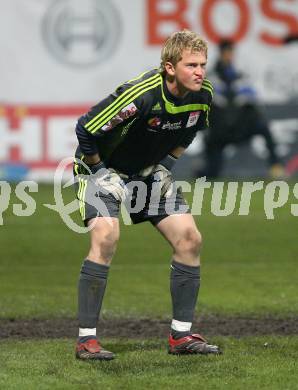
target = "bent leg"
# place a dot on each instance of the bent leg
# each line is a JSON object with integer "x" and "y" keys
{"x": 185, "y": 239}
{"x": 103, "y": 239}
{"x": 181, "y": 232}
{"x": 94, "y": 273}
{"x": 100, "y": 212}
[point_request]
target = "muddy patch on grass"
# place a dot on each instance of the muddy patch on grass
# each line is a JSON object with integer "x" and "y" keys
{"x": 144, "y": 328}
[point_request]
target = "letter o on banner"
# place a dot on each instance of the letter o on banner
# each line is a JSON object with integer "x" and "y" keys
{"x": 209, "y": 28}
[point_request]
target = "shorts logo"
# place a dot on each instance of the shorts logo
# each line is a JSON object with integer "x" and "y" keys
{"x": 122, "y": 115}
{"x": 81, "y": 33}
{"x": 193, "y": 118}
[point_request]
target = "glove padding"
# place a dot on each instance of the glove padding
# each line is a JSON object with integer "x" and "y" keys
{"x": 162, "y": 174}
{"x": 108, "y": 181}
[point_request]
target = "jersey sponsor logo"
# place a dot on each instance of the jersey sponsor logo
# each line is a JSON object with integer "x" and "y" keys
{"x": 172, "y": 126}
{"x": 154, "y": 122}
{"x": 125, "y": 113}
{"x": 156, "y": 107}
{"x": 193, "y": 118}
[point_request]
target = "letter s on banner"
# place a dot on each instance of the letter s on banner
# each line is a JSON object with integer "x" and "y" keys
{"x": 291, "y": 21}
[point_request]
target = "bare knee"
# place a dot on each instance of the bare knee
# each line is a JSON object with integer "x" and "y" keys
{"x": 188, "y": 246}
{"x": 103, "y": 244}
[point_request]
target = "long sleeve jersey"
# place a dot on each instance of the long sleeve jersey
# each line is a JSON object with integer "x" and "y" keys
{"x": 141, "y": 122}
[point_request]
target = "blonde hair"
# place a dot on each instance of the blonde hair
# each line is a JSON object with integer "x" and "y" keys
{"x": 179, "y": 41}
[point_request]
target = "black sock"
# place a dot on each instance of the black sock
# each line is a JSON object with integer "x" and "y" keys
{"x": 185, "y": 284}
{"x": 91, "y": 289}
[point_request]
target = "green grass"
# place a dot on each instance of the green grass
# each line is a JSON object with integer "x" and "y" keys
{"x": 248, "y": 264}
{"x": 249, "y": 267}
{"x": 250, "y": 363}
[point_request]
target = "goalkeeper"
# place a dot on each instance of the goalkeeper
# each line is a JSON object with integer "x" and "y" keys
{"x": 136, "y": 134}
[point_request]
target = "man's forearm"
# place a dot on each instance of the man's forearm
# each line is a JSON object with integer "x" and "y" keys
{"x": 169, "y": 161}
{"x": 86, "y": 141}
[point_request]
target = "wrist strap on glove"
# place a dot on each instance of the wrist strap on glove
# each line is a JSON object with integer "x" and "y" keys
{"x": 168, "y": 162}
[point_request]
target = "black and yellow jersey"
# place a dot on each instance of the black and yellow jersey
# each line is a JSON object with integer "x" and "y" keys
{"x": 141, "y": 122}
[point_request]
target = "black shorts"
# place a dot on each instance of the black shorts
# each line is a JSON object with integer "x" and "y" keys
{"x": 142, "y": 203}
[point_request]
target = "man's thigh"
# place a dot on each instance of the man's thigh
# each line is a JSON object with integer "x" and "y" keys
{"x": 177, "y": 226}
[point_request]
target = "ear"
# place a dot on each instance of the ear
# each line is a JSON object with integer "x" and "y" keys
{"x": 170, "y": 68}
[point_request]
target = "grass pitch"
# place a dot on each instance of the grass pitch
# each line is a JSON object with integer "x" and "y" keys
{"x": 249, "y": 267}
{"x": 249, "y": 264}
{"x": 250, "y": 363}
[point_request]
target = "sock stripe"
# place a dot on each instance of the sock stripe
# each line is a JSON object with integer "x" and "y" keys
{"x": 181, "y": 326}
{"x": 83, "y": 332}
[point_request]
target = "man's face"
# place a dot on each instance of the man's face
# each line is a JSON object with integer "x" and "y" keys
{"x": 189, "y": 72}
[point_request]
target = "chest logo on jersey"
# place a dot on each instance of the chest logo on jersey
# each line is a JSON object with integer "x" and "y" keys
{"x": 172, "y": 126}
{"x": 156, "y": 107}
{"x": 193, "y": 118}
{"x": 125, "y": 113}
{"x": 154, "y": 122}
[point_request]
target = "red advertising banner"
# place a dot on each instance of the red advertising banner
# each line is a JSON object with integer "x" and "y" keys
{"x": 35, "y": 138}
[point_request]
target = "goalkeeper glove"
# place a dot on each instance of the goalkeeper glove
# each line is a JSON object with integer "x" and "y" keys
{"x": 108, "y": 181}
{"x": 162, "y": 174}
